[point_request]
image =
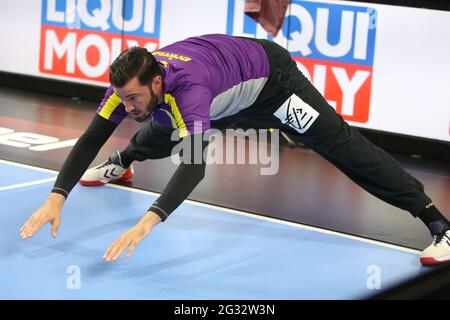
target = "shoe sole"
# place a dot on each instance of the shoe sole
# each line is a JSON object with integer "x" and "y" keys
{"x": 427, "y": 261}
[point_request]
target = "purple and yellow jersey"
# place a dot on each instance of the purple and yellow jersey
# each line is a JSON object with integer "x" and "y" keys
{"x": 205, "y": 78}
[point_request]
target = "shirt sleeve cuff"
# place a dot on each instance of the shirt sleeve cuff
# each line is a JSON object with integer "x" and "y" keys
{"x": 160, "y": 212}
{"x": 60, "y": 191}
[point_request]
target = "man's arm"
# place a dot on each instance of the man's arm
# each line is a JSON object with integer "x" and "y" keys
{"x": 82, "y": 154}
{"x": 73, "y": 168}
{"x": 180, "y": 186}
{"x": 194, "y": 104}
{"x": 188, "y": 175}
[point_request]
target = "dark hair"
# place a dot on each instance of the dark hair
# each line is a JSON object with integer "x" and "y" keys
{"x": 133, "y": 62}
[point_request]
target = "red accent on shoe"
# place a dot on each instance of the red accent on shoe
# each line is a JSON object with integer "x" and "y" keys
{"x": 91, "y": 183}
{"x": 126, "y": 176}
{"x": 430, "y": 261}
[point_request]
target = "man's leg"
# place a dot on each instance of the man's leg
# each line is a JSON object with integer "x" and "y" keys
{"x": 154, "y": 141}
{"x": 369, "y": 166}
{"x": 308, "y": 115}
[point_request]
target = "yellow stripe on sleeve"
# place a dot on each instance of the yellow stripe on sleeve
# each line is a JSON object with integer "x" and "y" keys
{"x": 170, "y": 100}
{"x": 111, "y": 104}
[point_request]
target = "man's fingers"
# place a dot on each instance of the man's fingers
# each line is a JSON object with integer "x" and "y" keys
{"x": 108, "y": 251}
{"x": 129, "y": 239}
{"x": 33, "y": 224}
{"x": 131, "y": 249}
{"x": 55, "y": 226}
{"x": 113, "y": 249}
{"x": 38, "y": 219}
{"x": 27, "y": 225}
{"x": 121, "y": 248}
{"x": 30, "y": 230}
{"x": 35, "y": 227}
{"x": 24, "y": 227}
{"x": 27, "y": 228}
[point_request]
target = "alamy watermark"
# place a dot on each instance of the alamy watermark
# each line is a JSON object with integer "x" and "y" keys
{"x": 73, "y": 281}
{"x": 73, "y": 20}
{"x": 374, "y": 278}
{"x": 373, "y": 18}
{"x": 233, "y": 146}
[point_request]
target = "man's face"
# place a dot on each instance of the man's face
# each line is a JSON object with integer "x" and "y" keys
{"x": 139, "y": 100}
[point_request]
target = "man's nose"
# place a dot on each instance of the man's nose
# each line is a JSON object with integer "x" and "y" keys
{"x": 128, "y": 107}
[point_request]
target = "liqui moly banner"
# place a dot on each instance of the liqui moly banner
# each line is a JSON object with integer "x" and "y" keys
{"x": 333, "y": 45}
{"x": 81, "y": 38}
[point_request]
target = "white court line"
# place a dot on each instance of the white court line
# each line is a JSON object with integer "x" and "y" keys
{"x": 27, "y": 184}
{"x": 246, "y": 214}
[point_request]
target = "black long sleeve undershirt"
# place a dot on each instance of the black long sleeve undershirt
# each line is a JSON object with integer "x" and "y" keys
{"x": 82, "y": 154}
{"x": 185, "y": 178}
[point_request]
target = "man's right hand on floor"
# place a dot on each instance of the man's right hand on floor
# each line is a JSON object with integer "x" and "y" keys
{"x": 50, "y": 212}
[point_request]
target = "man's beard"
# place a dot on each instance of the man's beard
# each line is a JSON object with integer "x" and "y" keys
{"x": 142, "y": 118}
{"x": 148, "y": 108}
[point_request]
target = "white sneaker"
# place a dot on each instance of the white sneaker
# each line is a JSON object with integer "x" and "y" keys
{"x": 438, "y": 251}
{"x": 110, "y": 170}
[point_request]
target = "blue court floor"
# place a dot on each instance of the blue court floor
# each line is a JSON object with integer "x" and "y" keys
{"x": 200, "y": 252}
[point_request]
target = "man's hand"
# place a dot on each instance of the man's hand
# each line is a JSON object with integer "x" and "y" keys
{"x": 50, "y": 212}
{"x": 132, "y": 237}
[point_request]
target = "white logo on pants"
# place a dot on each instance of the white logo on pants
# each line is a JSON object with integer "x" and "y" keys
{"x": 297, "y": 114}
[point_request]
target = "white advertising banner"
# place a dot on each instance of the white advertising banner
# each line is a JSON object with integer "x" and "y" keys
{"x": 381, "y": 67}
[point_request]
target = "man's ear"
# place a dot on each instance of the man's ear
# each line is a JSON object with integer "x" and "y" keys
{"x": 157, "y": 83}
{"x": 157, "y": 80}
